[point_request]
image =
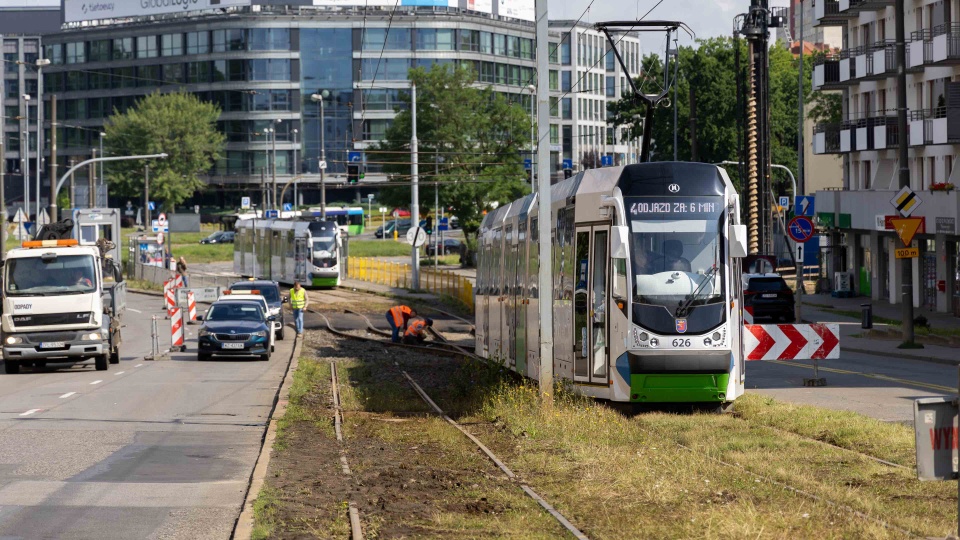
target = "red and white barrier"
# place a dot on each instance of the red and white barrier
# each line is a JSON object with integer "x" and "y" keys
{"x": 792, "y": 341}
{"x": 191, "y": 307}
{"x": 176, "y": 330}
{"x": 170, "y": 300}
{"x": 179, "y": 281}
{"x": 747, "y": 314}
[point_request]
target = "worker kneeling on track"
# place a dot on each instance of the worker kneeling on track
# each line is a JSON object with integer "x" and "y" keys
{"x": 398, "y": 317}
{"x": 417, "y": 332}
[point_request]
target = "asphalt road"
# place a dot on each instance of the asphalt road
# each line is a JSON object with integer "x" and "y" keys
{"x": 160, "y": 449}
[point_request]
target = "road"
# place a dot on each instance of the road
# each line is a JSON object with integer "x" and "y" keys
{"x": 882, "y": 387}
{"x": 160, "y": 449}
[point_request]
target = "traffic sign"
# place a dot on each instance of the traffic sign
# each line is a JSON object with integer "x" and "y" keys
{"x": 160, "y": 228}
{"x": 906, "y": 201}
{"x": 162, "y": 219}
{"x": 416, "y": 237}
{"x": 907, "y": 228}
{"x": 287, "y": 207}
{"x": 527, "y": 164}
{"x": 803, "y": 206}
{"x": 272, "y": 214}
{"x": 323, "y": 165}
{"x": 369, "y": 196}
{"x": 444, "y": 225}
{"x": 907, "y": 253}
{"x": 159, "y": 238}
{"x": 800, "y": 229}
{"x": 606, "y": 161}
{"x": 152, "y": 205}
{"x": 20, "y": 217}
{"x": 196, "y": 209}
{"x": 785, "y": 202}
{"x": 568, "y": 164}
{"x": 244, "y": 203}
{"x": 355, "y": 157}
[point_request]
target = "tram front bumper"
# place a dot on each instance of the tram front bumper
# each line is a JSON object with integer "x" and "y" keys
{"x": 681, "y": 378}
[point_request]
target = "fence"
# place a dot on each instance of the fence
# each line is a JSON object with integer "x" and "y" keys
{"x": 441, "y": 282}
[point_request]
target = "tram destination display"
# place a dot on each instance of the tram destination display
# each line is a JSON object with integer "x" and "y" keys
{"x": 685, "y": 207}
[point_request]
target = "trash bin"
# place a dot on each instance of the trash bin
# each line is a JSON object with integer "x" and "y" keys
{"x": 866, "y": 315}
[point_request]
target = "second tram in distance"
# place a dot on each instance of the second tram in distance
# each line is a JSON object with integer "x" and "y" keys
{"x": 646, "y": 267}
{"x": 285, "y": 251}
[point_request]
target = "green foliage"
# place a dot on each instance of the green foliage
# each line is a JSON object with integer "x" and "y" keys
{"x": 827, "y": 107}
{"x": 178, "y": 124}
{"x": 478, "y": 134}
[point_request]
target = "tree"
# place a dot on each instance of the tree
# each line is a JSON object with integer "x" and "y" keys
{"x": 178, "y": 124}
{"x": 470, "y": 141}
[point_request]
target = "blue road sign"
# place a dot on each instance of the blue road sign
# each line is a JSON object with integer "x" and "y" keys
{"x": 444, "y": 224}
{"x": 152, "y": 205}
{"x": 272, "y": 214}
{"x": 287, "y": 207}
{"x": 355, "y": 157}
{"x": 800, "y": 229}
{"x": 804, "y": 206}
{"x": 527, "y": 163}
{"x": 785, "y": 202}
{"x": 568, "y": 164}
{"x": 606, "y": 161}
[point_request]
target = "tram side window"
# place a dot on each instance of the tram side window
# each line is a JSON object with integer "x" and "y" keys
{"x": 620, "y": 278}
{"x": 533, "y": 266}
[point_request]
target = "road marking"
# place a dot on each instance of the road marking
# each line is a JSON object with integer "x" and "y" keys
{"x": 97, "y": 381}
{"x": 138, "y": 365}
{"x": 31, "y": 411}
{"x": 68, "y": 394}
{"x": 119, "y": 373}
{"x": 877, "y": 376}
{"x": 134, "y": 310}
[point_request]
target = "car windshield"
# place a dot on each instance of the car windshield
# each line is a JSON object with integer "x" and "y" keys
{"x": 235, "y": 312}
{"x": 49, "y": 275}
{"x": 767, "y": 284}
{"x": 676, "y": 249}
{"x": 269, "y": 292}
{"x": 215, "y": 236}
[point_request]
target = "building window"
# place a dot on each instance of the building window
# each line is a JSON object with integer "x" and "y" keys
{"x": 375, "y": 130}
{"x": 273, "y": 69}
{"x": 173, "y": 73}
{"x": 382, "y": 100}
{"x": 122, "y": 49}
{"x": 515, "y": 76}
{"x": 270, "y": 39}
{"x": 513, "y": 46}
{"x": 565, "y": 51}
{"x": 390, "y": 69}
{"x": 565, "y": 77}
{"x": 470, "y": 40}
{"x": 435, "y": 39}
{"x": 76, "y": 53}
{"x": 486, "y": 42}
{"x": 526, "y": 49}
{"x": 393, "y": 39}
{"x": 122, "y": 78}
{"x": 100, "y": 80}
{"x": 237, "y": 70}
{"x": 236, "y": 39}
{"x": 566, "y": 106}
{"x": 198, "y": 43}
{"x": 147, "y": 47}
{"x": 499, "y": 44}
{"x": 611, "y": 60}
{"x": 76, "y": 80}
{"x": 611, "y": 87}
{"x": 148, "y": 75}
{"x": 488, "y": 72}
{"x": 554, "y": 50}
{"x": 171, "y": 44}
{"x": 100, "y": 50}
{"x": 54, "y": 53}
{"x": 219, "y": 70}
{"x": 219, "y": 41}
{"x": 554, "y": 134}
{"x": 11, "y": 89}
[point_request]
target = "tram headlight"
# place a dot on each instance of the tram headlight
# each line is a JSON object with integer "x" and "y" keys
{"x": 644, "y": 336}
{"x": 716, "y": 336}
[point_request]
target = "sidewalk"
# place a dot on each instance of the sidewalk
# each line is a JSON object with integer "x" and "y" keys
{"x": 883, "y": 339}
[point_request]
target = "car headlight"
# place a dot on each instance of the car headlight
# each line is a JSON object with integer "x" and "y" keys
{"x": 92, "y": 336}
{"x": 204, "y": 332}
{"x": 260, "y": 334}
{"x": 13, "y": 340}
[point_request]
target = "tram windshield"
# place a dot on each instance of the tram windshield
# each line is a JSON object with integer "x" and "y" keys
{"x": 677, "y": 252}
{"x": 325, "y": 251}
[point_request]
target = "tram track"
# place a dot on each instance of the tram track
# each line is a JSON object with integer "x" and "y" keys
{"x": 356, "y": 530}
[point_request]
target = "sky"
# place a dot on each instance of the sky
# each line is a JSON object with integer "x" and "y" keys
{"x": 707, "y": 18}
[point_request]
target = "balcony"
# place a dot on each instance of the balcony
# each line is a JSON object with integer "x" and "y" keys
{"x": 946, "y": 44}
{"x": 878, "y": 61}
{"x": 878, "y": 132}
{"x": 852, "y": 8}
{"x": 826, "y": 139}
{"x": 933, "y": 126}
{"x": 827, "y": 13}
{"x": 919, "y": 50}
{"x": 826, "y": 73}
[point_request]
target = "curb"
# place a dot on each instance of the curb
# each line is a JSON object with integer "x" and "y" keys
{"x": 904, "y": 356}
{"x": 243, "y": 527}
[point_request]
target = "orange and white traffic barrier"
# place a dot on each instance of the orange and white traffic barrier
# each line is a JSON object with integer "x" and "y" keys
{"x": 176, "y": 330}
{"x": 170, "y": 299}
{"x": 179, "y": 281}
{"x": 792, "y": 341}
{"x": 191, "y": 307}
{"x": 747, "y": 314}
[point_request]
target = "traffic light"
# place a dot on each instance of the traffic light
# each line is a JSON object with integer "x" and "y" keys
{"x": 353, "y": 174}
{"x": 429, "y": 227}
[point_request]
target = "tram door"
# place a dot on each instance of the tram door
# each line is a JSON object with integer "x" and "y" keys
{"x": 300, "y": 252}
{"x": 591, "y": 333}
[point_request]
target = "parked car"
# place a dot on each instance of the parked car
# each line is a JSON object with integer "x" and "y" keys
{"x": 769, "y": 296}
{"x": 402, "y": 226}
{"x": 448, "y": 246}
{"x": 235, "y": 327}
{"x": 219, "y": 237}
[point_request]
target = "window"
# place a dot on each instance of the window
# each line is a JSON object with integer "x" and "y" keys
{"x": 236, "y": 39}
{"x": 501, "y": 74}
{"x": 434, "y": 39}
{"x": 375, "y": 130}
{"x": 611, "y": 87}
{"x": 611, "y": 60}
{"x": 11, "y": 89}
{"x": 147, "y": 47}
{"x": 390, "y": 69}
{"x": 173, "y": 73}
{"x": 99, "y": 80}
{"x": 99, "y": 107}
{"x": 488, "y": 72}
{"x": 382, "y": 100}
{"x": 554, "y": 107}
{"x": 513, "y": 46}
{"x": 122, "y": 77}
{"x": 554, "y": 134}
{"x": 237, "y": 70}
{"x": 526, "y": 48}
{"x": 148, "y": 75}
{"x": 565, "y": 52}
{"x": 76, "y": 80}
{"x": 393, "y": 39}
{"x": 499, "y": 44}
{"x": 219, "y": 71}
{"x": 554, "y": 49}
{"x": 486, "y": 42}
{"x": 514, "y": 76}
{"x": 273, "y": 69}
{"x": 76, "y": 53}
{"x": 270, "y": 39}
{"x": 219, "y": 41}
{"x": 198, "y": 43}
{"x": 100, "y": 50}
{"x": 10, "y": 62}
{"x": 566, "y": 105}
{"x": 54, "y": 53}
{"x": 565, "y": 81}
{"x": 122, "y": 49}
{"x": 171, "y": 44}
{"x": 470, "y": 40}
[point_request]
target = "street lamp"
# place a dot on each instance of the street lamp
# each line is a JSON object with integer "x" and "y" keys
{"x": 296, "y": 168}
{"x": 25, "y": 155}
{"x": 269, "y": 132}
{"x": 319, "y": 99}
{"x": 39, "y": 64}
{"x": 533, "y": 134}
{"x": 103, "y": 180}
{"x": 276, "y": 204}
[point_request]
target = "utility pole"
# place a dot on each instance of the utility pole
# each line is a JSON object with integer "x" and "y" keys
{"x": 53, "y": 158}
{"x": 694, "y": 151}
{"x": 3, "y": 197}
{"x": 91, "y": 182}
{"x": 799, "y": 303}
{"x": 676, "y": 72}
{"x": 146, "y": 197}
{"x": 544, "y": 216}
{"x": 906, "y": 265}
{"x": 415, "y": 195}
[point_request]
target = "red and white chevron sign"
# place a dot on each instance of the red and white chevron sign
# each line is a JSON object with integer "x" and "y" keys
{"x": 792, "y": 341}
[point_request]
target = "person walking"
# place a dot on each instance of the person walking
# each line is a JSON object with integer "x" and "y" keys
{"x": 182, "y": 270}
{"x": 416, "y": 334}
{"x": 398, "y": 317}
{"x": 298, "y": 301}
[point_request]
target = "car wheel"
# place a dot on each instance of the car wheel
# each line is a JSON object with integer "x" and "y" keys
{"x": 11, "y": 367}
{"x": 202, "y": 357}
{"x": 115, "y": 357}
{"x": 265, "y": 357}
{"x": 39, "y": 365}
{"x": 100, "y": 362}
{"x": 280, "y": 334}
{"x": 273, "y": 348}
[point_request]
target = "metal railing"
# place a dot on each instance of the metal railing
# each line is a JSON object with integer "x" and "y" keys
{"x": 831, "y": 136}
{"x": 399, "y": 275}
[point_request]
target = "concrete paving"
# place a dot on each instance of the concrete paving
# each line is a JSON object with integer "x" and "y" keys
{"x": 160, "y": 449}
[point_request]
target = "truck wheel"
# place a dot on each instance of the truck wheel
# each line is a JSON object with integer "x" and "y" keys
{"x": 100, "y": 362}
{"x": 115, "y": 357}
{"x": 11, "y": 367}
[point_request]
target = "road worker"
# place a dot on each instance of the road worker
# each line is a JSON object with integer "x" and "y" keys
{"x": 398, "y": 317}
{"x": 417, "y": 331}
{"x": 298, "y": 302}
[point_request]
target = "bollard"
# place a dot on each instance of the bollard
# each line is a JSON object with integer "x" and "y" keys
{"x": 191, "y": 307}
{"x": 866, "y": 316}
{"x": 176, "y": 331}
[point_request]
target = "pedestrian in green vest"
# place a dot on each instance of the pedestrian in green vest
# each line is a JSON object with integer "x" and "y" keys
{"x": 298, "y": 301}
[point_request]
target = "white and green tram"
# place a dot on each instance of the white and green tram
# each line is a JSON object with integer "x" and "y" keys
{"x": 285, "y": 251}
{"x": 645, "y": 296}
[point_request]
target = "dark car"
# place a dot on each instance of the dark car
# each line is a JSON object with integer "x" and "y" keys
{"x": 401, "y": 226}
{"x": 769, "y": 296}
{"x": 448, "y": 246}
{"x": 219, "y": 237}
{"x": 270, "y": 291}
{"x": 235, "y": 328}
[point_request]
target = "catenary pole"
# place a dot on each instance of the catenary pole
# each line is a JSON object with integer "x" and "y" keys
{"x": 544, "y": 216}
{"x": 906, "y": 294}
{"x": 53, "y": 158}
{"x": 414, "y": 194}
{"x": 798, "y": 305}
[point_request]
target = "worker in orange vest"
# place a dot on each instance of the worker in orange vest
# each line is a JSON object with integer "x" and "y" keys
{"x": 398, "y": 317}
{"x": 417, "y": 331}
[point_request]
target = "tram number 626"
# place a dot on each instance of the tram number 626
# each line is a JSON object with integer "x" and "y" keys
{"x": 681, "y": 343}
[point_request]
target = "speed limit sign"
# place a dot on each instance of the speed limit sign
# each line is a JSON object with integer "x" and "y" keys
{"x": 162, "y": 219}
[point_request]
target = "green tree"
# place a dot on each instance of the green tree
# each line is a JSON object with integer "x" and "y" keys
{"x": 178, "y": 124}
{"x": 470, "y": 141}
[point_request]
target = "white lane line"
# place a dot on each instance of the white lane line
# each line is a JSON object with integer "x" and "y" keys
{"x": 68, "y": 394}
{"x": 138, "y": 365}
{"x": 119, "y": 373}
{"x": 97, "y": 381}
{"x": 134, "y": 310}
{"x": 31, "y": 411}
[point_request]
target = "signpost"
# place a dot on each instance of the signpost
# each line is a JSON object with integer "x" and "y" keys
{"x": 785, "y": 202}
{"x": 245, "y": 203}
{"x": 272, "y": 214}
{"x": 606, "y": 161}
{"x": 907, "y": 253}
{"x": 383, "y": 222}
{"x": 804, "y": 206}
{"x": 416, "y": 237}
{"x": 800, "y": 229}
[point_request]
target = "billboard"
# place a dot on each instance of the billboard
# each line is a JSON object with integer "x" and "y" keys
{"x": 517, "y": 9}
{"x": 485, "y": 6}
{"x": 91, "y": 10}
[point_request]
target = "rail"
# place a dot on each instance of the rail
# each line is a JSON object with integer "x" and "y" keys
{"x": 399, "y": 275}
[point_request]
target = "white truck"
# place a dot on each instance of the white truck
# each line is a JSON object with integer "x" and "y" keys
{"x": 62, "y": 300}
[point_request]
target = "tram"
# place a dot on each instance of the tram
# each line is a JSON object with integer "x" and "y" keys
{"x": 646, "y": 267}
{"x": 310, "y": 252}
{"x": 350, "y": 219}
